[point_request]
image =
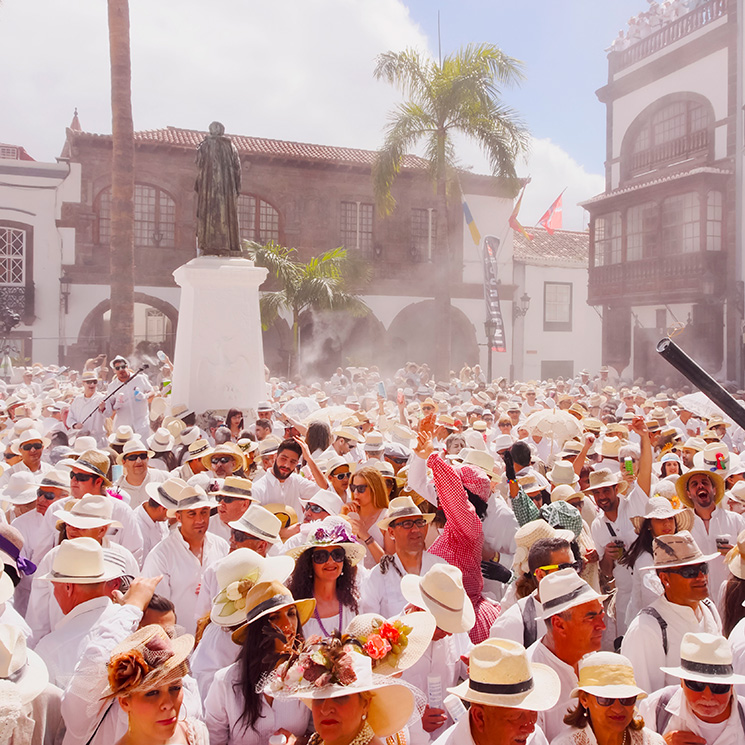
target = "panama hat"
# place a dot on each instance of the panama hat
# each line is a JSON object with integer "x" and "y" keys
{"x": 187, "y": 498}
{"x": 121, "y": 435}
{"x": 134, "y": 445}
{"x": 161, "y": 441}
{"x": 83, "y": 443}
{"x": 30, "y": 435}
{"x": 735, "y": 559}
{"x": 236, "y": 574}
{"x": 412, "y": 634}
{"x": 605, "y": 477}
{"x": 236, "y": 487}
{"x": 91, "y": 461}
{"x": 188, "y": 435}
{"x": 402, "y": 507}
{"x": 608, "y": 675}
{"x": 374, "y": 442}
{"x": 326, "y": 536}
{"x": 326, "y": 499}
{"x": 226, "y": 448}
{"x": 563, "y": 590}
{"x": 146, "y": 660}
{"x": 480, "y": 458}
{"x": 565, "y": 492}
{"x": 526, "y": 535}
{"x": 737, "y": 492}
{"x": 562, "y": 473}
{"x": 269, "y": 446}
{"x": 706, "y": 658}
{"x": 259, "y": 523}
{"x": 501, "y": 674}
{"x": 284, "y": 512}
{"x": 265, "y": 598}
{"x": 80, "y": 561}
{"x": 93, "y": 511}
{"x": 677, "y": 550}
{"x": 20, "y": 488}
{"x": 196, "y": 449}
{"x": 441, "y": 592}
{"x": 336, "y": 461}
{"x": 20, "y": 668}
{"x": 387, "y": 471}
{"x": 660, "y": 508}
{"x": 158, "y": 408}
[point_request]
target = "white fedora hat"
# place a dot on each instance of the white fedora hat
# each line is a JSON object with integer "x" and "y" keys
{"x": 562, "y": 473}
{"x": 677, "y": 550}
{"x": 83, "y": 443}
{"x": 327, "y": 500}
{"x": 501, "y": 674}
{"x": 706, "y": 658}
{"x": 30, "y": 435}
{"x": 80, "y": 561}
{"x": 441, "y": 592}
{"x": 401, "y": 508}
{"x": 20, "y": 667}
{"x": 94, "y": 511}
{"x": 188, "y": 498}
{"x": 563, "y": 590}
{"x": 236, "y": 487}
{"x": 259, "y": 523}
{"x": 18, "y": 483}
{"x": 481, "y": 458}
{"x": 660, "y": 508}
{"x": 161, "y": 441}
{"x": 133, "y": 445}
{"x": 121, "y": 435}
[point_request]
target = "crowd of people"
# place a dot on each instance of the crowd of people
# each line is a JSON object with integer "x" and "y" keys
{"x": 369, "y": 559}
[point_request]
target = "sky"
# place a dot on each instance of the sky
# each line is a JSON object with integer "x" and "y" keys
{"x": 302, "y": 70}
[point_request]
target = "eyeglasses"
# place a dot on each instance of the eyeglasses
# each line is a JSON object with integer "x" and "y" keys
{"x": 239, "y": 536}
{"x": 419, "y": 522}
{"x": 506, "y": 424}
{"x": 314, "y": 508}
{"x": 341, "y": 476}
{"x": 576, "y": 565}
{"x": 361, "y": 488}
{"x": 136, "y": 456}
{"x": 628, "y": 701}
{"x": 46, "y": 495}
{"x": 690, "y": 572}
{"x": 32, "y": 446}
{"x": 321, "y": 555}
{"x": 81, "y": 476}
{"x": 228, "y": 500}
{"x": 716, "y": 688}
{"x": 221, "y": 459}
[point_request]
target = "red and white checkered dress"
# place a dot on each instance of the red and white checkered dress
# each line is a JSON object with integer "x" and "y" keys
{"x": 462, "y": 537}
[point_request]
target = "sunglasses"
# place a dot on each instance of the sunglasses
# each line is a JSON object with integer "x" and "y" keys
{"x": 136, "y": 456}
{"x": 506, "y": 424}
{"x": 398, "y": 461}
{"x": 690, "y": 572}
{"x": 228, "y": 500}
{"x": 221, "y": 459}
{"x": 81, "y": 476}
{"x": 361, "y": 488}
{"x": 603, "y": 701}
{"x": 341, "y": 476}
{"x": 314, "y": 508}
{"x": 239, "y": 536}
{"x": 321, "y": 555}
{"x": 419, "y": 522}
{"x": 90, "y": 382}
{"x": 32, "y": 446}
{"x": 120, "y": 367}
{"x": 46, "y": 495}
{"x": 10, "y": 456}
{"x": 716, "y": 688}
{"x": 576, "y": 565}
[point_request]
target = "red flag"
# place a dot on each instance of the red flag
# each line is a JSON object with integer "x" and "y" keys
{"x": 514, "y": 224}
{"x": 552, "y": 219}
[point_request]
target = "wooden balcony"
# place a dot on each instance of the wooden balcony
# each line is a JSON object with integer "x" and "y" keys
{"x": 656, "y": 281}
{"x": 680, "y": 149}
{"x": 678, "y": 29}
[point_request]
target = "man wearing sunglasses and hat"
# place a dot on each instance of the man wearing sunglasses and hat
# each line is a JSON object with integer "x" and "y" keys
{"x": 30, "y": 446}
{"x": 130, "y": 403}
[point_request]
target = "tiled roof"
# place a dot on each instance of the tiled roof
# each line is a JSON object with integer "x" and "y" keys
{"x": 654, "y": 182}
{"x": 564, "y": 247}
{"x": 190, "y": 139}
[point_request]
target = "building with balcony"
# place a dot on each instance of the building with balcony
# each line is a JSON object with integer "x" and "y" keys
{"x": 666, "y": 235}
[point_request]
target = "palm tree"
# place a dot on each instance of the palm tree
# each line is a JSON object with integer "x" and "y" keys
{"x": 459, "y": 95}
{"x": 122, "y": 182}
{"x": 321, "y": 284}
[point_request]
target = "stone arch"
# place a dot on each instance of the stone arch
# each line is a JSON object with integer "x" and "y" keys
{"x": 412, "y": 336}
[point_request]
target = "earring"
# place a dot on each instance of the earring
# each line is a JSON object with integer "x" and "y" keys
{"x": 364, "y": 716}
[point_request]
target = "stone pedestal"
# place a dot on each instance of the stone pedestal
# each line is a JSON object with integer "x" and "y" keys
{"x": 219, "y": 357}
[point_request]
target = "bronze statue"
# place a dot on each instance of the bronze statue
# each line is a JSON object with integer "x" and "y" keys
{"x": 218, "y": 186}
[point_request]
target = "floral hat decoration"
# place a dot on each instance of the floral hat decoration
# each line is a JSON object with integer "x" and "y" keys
{"x": 147, "y": 659}
{"x": 325, "y": 536}
{"x": 393, "y": 645}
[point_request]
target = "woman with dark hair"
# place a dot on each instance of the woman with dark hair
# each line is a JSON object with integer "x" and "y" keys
{"x": 234, "y": 422}
{"x": 318, "y": 438}
{"x": 235, "y": 713}
{"x": 326, "y": 570}
{"x": 733, "y": 590}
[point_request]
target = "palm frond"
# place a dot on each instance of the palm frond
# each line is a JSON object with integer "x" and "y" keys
{"x": 270, "y": 305}
{"x": 278, "y": 259}
{"x": 407, "y": 70}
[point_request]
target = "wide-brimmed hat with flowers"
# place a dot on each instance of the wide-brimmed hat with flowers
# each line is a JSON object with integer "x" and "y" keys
{"x": 325, "y": 536}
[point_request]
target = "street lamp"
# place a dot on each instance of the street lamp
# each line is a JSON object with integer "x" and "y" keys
{"x": 520, "y": 310}
{"x": 490, "y": 327}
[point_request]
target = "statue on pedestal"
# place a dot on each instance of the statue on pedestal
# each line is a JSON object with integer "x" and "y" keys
{"x": 218, "y": 186}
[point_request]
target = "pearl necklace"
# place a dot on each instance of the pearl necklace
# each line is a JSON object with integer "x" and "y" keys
{"x": 363, "y": 737}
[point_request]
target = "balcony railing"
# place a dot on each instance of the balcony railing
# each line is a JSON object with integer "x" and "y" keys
{"x": 668, "y": 34}
{"x": 681, "y": 148}
{"x": 664, "y": 279}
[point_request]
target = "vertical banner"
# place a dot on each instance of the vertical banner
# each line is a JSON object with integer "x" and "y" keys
{"x": 491, "y": 294}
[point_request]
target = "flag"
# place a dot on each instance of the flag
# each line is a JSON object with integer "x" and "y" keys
{"x": 514, "y": 224}
{"x": 552, "y": 219}
{"x": 471, "y": 224}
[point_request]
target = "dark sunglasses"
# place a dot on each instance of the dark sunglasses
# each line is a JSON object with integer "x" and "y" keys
{"x": 120, "y": 367}
{"x": 603, "y": 701}
{"x": 716, "y": 688}
{"x": 341, "y": 476}
{"x": 32, "y": 446}
{"x": 136, "y": 456}
{"x": 81, "y": 476}
{"x": 90, "y": 382}
{"x": 221, "y": 459}
{"x": 228, "y": 500}
{"x": 690, "y": 572}
{"x": 239, "y": 536}
{"x": 419, "y": 522}
{"x": 46, "y": 494}
{"x": 397, "y": 461}
{"x": 361, "y": 488}
{"x": 10, "y": 456}
{"x": 506, "y": 424}
{"x": 314, "y": 508}
{"x": 321, "y": 555}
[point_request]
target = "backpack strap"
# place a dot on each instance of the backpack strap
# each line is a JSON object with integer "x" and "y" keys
{"x": 661, "y": 715}
{"x": 530, "y": 628}
{"x": 650, "y": 611}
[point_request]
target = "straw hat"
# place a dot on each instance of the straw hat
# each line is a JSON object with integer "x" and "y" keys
{"x": 350, "y": 433}
{"x": 187, "y": 498}
{"x": 165, "y": 492}
{"x": 146, "y": 660}
{"x": 284, "y": 512}
{"x": 677, "y": 550}
{"x": 83, "y": 443}
{"x": 133, "y": 445}
{"x": 374, "y": 442}
{"x": 161, "y": 441}
{"x": 716, "y": 458}
{"x": 605, "y": 477}
{"x": 681, "y": 485}
{"x": 80, "y": 561}
{"x": 735, "y": 559}
{"x": 402, "y": 507}
{"x": 563, "y": 590}
{"x": 706, "y": 658}
{"x": 327, "y": 499}
{"x": 336, "y": 461}
{"x": 610, "y": 446}
{"x": 20, "y": 668}
{"x": 196, "y": 449}
{"x": 91, "y": 461}
{"x": 325, "y": 536}
{"x": 525, "y": 536}
{"x": 501, "y": 674}
{"x": 236, "y": 487}
{"x": 565, "y": 492}
{"x": 269, "y": 446}
{"x": 608, "y": 675}
{"x": 481, "y": 458}
{"x": 259, "y": 523}
{"x": 93, "y": 511}
{"x": 227, "y": 448}
{"x": 121, "y": 435}
{"x": 411, "y": 633}
{"x": 563, "y": 473}
{"x": 236, "y": 574}
{"x": 737, "y": 492}
{"x": 441, "y": 592}
{"x": 266, "y": 598}
{"x": 717, "y": 421}
{"x": 660, "y": 508}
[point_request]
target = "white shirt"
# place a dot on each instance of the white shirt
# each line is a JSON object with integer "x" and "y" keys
{"x": 130, "y": 404}
{"x": 80, "y": 408}
{"x": 510, "y": 623}
{"x": 288, "y": 492}
{"x": 723, "y": 522}
{"x": 218, "y": 527}
{"x": 460, "y": 734}
{"x": 215, "y": 651}
{"x": 9, "y": 615}
{"x": 21, "y": 467}
{"x": 182, "y": 572}
{"x": 152, "y": 532}
{"x": 29, "y": 524}
{"x": 642, "y": 643}
{"x": 224, "y": 705}
{"x": 138, "y": 494}
{"x": 500, "y": 526}
{"x": 381, "y": 593}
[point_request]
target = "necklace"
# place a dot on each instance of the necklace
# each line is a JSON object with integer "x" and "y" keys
{"x": 323, "y": 628}
{"x": 363, "y": 737}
